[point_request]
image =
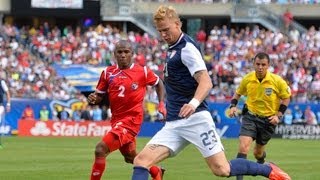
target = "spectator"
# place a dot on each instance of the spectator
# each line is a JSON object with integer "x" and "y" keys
{"x": 96, "y": 113}
{"x": 76, "y": 114}
{"x": 287, "y": 19}
{"x": 215, "y": 116}
{"x": 30, "y": 74}
{"x": 201, "y": 37}
{"x": 63, "y": 115}
{"x": 85, "y": 113}
{"x": 318, "y": 117}
{"x": 298, "y": 116}
{"x": 28, "y": 113}
{"x": 310, "y": 117}
{"x": 44, "y": 113}
{"x": 105, "y": 113}
{"x": 288, "y": 117}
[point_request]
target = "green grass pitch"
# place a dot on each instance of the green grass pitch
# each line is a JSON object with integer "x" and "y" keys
{"x": 36, "y": 158}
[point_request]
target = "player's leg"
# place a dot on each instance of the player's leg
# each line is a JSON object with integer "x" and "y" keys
{"x": 245, "y": 167}
{"x": 109, "y": 143}
{"x": 156, "y": 172}
{"x": 151, "y": 154}
{"x": 212, "y": 150}
{"x": 129, "y": 152}
{"x": 221, "y": 167}
{"x": 259, "y": 153}
{"x": 247, "y": 135}
{"x": 266, "y": 131}
{"x": 244, "y": 148}
{"x": 164, "y": 144}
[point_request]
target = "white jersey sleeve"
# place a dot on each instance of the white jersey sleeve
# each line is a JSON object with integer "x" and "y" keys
{"x": 192, "y": 58}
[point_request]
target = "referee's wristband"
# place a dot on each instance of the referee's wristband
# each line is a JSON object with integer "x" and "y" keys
{"x": 194, "y": 102}
{"x": 282, "y": 108}
{"x": 234, "y": 103}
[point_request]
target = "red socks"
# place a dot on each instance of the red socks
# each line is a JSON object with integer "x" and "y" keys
{"x": 100, "y": 164}
{"x": 155, "y": 172}
{"x": 98, "y": 168}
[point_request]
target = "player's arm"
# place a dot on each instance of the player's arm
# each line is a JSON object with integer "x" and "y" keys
{"x": 204, "y": 86}
{"x": 95, "y": 97}
{"x": 191, "y": 57}
{"x": 233, "y": 105}
{"x": 284, "y": 95}
{"x": 155, "y": 81}
{"x": 241, "y": 90}
{"x": 161, "y": 93}
{"x": 283, "y": 107}
{"x": 275, "y": 119}
{"x": 160, "y": 90}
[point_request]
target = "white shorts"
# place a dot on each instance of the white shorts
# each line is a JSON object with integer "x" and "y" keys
{"x": 199, "y": 129}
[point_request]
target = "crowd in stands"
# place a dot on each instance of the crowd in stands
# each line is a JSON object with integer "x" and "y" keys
{"x": 27, "y": 55}
{"x": 60, "y": 113}
{"x": 301, "y": 116}
{"x": 27, "y": 74}
{"x": 227, "y": 53}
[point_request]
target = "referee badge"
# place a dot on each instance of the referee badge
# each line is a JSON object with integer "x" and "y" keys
{"x": 268, "y": 91}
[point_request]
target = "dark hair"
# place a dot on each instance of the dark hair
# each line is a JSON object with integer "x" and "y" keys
{"x": 262, "y": 55}
{"x": 124, "y": 43}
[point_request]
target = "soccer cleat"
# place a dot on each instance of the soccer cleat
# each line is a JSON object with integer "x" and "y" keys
{"x": 277, "y": 174}
{"x": 160, "y": 174}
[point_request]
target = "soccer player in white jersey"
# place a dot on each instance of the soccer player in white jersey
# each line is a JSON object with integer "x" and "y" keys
{"x": 4, "y": 91}
{"x": 188, "y": 120}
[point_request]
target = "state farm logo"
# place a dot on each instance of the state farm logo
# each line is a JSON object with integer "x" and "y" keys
{"x": 40, "y": 128}
{"x": 69, "y": 129}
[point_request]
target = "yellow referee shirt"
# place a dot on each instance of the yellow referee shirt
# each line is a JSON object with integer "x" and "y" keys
{"x": 263, "y": 98}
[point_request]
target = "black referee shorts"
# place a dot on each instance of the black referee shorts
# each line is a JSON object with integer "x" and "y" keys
{"x": 259, "y": 128}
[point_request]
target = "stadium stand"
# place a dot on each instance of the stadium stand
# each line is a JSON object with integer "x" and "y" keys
{"x": 228, "y": 54}
{"x": 29, "y": 53}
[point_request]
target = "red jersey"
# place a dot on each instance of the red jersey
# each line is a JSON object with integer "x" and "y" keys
{"x": 126, "y": 89}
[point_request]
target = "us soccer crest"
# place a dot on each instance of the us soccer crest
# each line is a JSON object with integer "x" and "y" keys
{"x": 134, "y": 86}
{"x": 171, "y": 53}
{"x": 268, "y": 91}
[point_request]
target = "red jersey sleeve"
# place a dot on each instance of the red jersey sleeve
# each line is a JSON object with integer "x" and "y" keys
{"x": 102, "y": 85}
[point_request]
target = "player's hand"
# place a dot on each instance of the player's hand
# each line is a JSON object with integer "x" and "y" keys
{"x": 186, "y": 110}
{"x": 162, "y": 110}
{"x": 274, "y": 120}
{"x": 94, "y": 98}
{"x": 232, "y": 112}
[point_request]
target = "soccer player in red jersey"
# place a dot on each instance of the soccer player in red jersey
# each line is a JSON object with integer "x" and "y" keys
{"x": 125, "y": 86}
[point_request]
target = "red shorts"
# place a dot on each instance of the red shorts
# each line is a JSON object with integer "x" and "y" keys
{"x": 121, "y": 137}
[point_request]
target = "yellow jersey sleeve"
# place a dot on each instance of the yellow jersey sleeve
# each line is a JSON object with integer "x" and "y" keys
{"x": 284, "y": 89}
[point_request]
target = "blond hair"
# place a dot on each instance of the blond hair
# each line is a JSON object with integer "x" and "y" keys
{"x": 164, "y": 12}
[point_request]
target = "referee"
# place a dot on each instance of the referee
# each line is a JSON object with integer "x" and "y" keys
{"x": 268, "y": 96}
